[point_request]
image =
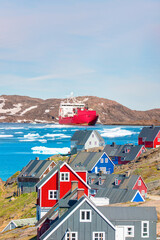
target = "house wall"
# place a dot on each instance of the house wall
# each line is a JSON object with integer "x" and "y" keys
{"x": 105, "y": 167}
{"x": 141, "y": 188}
{"x": 114, "y": 159}
{"x": 137, "y": 229}
{"x": 92, "y": 141}
{"x": 146, "y": 144}
{"x": 142, "y": 150}
{"x": 157, "y": 140}
{"x": 85, "y": 229}
{"x": 27, "y": 187}
{"x": 52, "y": 184}
{"x": 83, "y": 175}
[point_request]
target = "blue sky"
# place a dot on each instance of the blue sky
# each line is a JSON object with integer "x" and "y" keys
{"x": 104, "y": 48}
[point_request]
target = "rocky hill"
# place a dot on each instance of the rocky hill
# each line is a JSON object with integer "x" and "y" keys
{"x": 14, "y": 108}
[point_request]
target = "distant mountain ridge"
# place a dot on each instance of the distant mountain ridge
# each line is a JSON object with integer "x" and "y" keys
{"x": 14, "y": 108}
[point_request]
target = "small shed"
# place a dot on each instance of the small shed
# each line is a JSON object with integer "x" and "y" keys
{"x": 19, "y": 223}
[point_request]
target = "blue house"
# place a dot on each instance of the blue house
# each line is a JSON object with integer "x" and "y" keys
{"x": 94, "y": 162}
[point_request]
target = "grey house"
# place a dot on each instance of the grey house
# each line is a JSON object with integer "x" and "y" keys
{"x": 132, "y": 223}
{"x": 85, "y": 221}
{"x": 86, "y": 139}
{"x": 20, "y": 223}
{"x": 32, "y": 174}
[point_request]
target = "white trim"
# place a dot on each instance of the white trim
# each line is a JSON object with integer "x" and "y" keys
{"x": 85, "y": 211}
{"x": 53, "y": 191}
{"x": 126, "y": 231}
{"x": 139, "y": 182}
{"x": 142, "y": 232}
{"x": 91, "y": 204}
{"x": 65, "y": 173}
{"x": 93, "y": 235}
{"x": 100, "y": 158}
{"x": 70, "y": 237}
{"x": 136, "y": 194}
{"x": 47, "y": 179}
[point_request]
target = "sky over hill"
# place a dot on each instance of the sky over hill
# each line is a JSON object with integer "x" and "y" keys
{"x": 108, "y": 49}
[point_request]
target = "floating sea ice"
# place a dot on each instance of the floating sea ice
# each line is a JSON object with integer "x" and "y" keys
{"x": 53, "y": 151}
{"x": 116, "y": 132}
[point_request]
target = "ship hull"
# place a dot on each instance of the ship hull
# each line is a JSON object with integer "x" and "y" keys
{"x": 85, "y": 117}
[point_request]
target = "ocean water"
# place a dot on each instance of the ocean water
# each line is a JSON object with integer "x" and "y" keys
{"x": 20, "y": 143}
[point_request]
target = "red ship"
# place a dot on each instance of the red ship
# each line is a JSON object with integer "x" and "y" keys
{"x": 73, "y": 112}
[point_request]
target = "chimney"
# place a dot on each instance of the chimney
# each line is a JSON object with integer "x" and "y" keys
{"x": 113, "y": 144}
{"x": 49, "y": 158}
{"x": 74, "y": 185}
{"x": 80, "y": 193}
{"x": 100, "y": 173}
{"x": 37, "y": 158}
{"x": 127, "y": 173}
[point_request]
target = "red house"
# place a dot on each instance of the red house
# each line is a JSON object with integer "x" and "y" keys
{"x": 150, "y": 137}
{"x": 56, "y": 184}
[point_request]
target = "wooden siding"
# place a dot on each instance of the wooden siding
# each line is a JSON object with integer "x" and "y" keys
{"x": 109, "y": 166}
{"x": 141, "y": 188}
{"x": 85, "y": 229}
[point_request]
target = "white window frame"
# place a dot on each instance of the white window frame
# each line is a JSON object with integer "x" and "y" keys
{"x": 143, "y": 192}
{"x": 100, "y": 181}
{"x": 142, "y": 229}
{"x": 99, "y": 237}
{"x": 69, "y": 236}
{"x": 65, "y": 174}
{"x": 158, "y": 140}
{"x": 116, "y": 181}
{"x": 101, "y": 160}
{"x": 85, "y": 213}
{"x": 106, "y": 160}
{"x": 89, "y": 181}
{"x": 139, "y": 182}
{"x": 127, "y": 231}
{"x": 53, "y": 192}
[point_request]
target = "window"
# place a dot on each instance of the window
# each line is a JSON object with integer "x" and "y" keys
{"x": 116, "y": 181}
{"x": 145, "y": 229}
{"x": 85, "y": 215}
{"x": 52, "y": 194}
{"x": 98, "y": 235}
{"x": 101, "y": 160}
{"x": 64, "y": 176}
{"x": 143, "y": 193}
{"x": 130, "y": 231}
{"x": 89, "y": 142}
{"x": 106, "y": 160}
{"x": 158, "y": 140}
{"x": 139, "y": 182}
{"x": 89, "y": 181}
{"x": 71, "y": 236}
{"x": 95, "y": 142}
{"x": 100, "y": 181}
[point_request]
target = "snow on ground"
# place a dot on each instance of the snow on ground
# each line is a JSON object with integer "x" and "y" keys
{"x": 28, "y": 109}
{"x": 3, "y": 117}
{"x": 47, "y": 111}
{"x": 85, "y": 99}
{"x": 10, "y": 111}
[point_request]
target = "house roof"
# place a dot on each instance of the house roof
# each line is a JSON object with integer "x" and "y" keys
{"x": 109, "y": 182}
{"x": 81, "y": 136}
{"x": 129, "y": 213}
{"x": 35, "y": 168}
{"x": 22, "y": 222}
{"x": 86, "y": 159}
{"x": 149, "y": 133}
{"x": 54, "y": 170}
{"x": 67, "y": 214}
{"x": 116, "y": 195}
{"x": 66, "y": 202}
{"x": 114, "y": 150}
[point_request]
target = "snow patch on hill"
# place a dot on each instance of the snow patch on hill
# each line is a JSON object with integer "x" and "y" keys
{"x": 28, "y": 109}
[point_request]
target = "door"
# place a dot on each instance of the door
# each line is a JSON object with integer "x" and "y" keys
{"x": 120, "y": 233}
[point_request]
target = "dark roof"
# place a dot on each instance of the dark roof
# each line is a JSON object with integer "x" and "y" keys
{"x": 66, "y": 202}
{"x": 116, "y": 195}
{"x": 149, "y": 133}
{"x": 56, "y": 168}
{"x": 81, "y": 136}
{"x": 109, "y": 182}
{"x": 129, "y": 213}
{"x": 114, "y": 150}
{"x": 35, "y": 168}
{"x": 86, "y": 159}
{"x": 61, "y": 218}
